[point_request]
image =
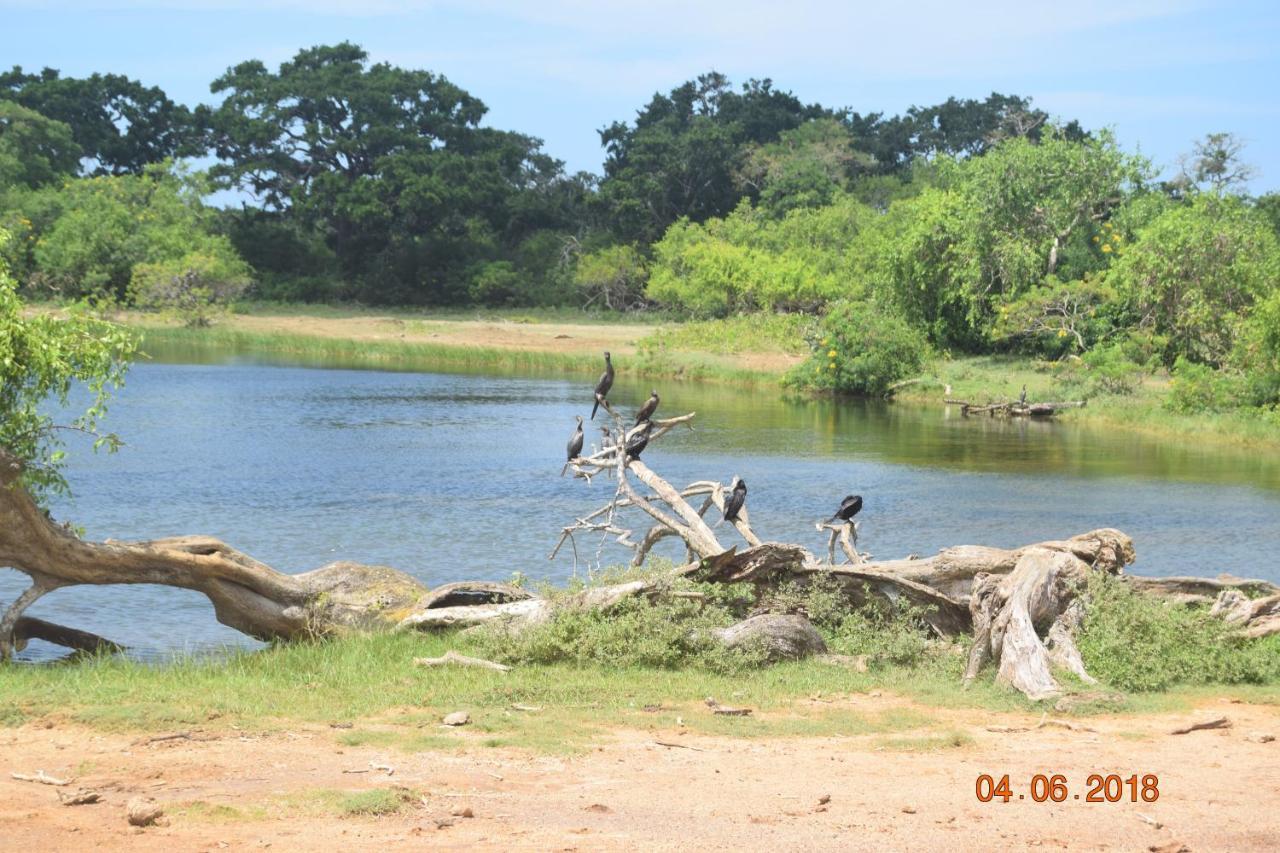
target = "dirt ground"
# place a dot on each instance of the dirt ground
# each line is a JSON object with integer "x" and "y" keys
{"x": 661, "y": 789}
{"x": 503, "y": 334}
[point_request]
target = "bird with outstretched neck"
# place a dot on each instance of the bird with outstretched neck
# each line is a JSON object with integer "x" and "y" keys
{"x": 639, "y": 440}
{"x": 647, "y": 410}
{"x": 575, "y": 441}
{"x": 849, "y": 507}
{"x": 603, "y": 386}
{"x": 733, "y": 505}
{"x": 1022, "y": 398}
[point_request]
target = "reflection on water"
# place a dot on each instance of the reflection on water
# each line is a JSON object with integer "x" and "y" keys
{"x": 300, "y": 467}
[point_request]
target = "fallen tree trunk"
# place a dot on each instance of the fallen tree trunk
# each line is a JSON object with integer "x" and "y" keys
{"x": 1025, "y": 621}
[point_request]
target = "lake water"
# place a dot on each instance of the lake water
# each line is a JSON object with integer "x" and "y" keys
{"x": 456, "y": 476}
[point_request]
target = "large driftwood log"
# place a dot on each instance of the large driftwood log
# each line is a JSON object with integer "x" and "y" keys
{"x": 1025, "y": 621}
{"x": 246, "y": 594}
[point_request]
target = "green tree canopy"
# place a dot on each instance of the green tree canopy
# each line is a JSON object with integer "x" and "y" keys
{"x": 34, "y": 150}
{"x": 120, "y": 125}
{"x": 391, "y": 166}
{"x": 682, "y": 155}
{"x": 1195, "y": 272}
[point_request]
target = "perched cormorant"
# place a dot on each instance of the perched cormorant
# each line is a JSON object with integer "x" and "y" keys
{"x": 647, "y": 410}
{"x": 735, "y": 500}
{"x": 849, "y": 507}
{"x": 1022, "y": 399}
{"x": 575, "y": 441}
{"x": 603, "y": 386}
{"x": 639, "y": 440}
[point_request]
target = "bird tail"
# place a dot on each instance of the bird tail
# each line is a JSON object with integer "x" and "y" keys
{"x": 595, "y": 406}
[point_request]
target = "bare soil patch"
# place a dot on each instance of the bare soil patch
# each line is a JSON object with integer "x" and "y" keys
{"x": 664, "y": 788}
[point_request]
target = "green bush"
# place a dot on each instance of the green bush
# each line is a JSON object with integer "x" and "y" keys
{"x": 861, "y": 350}
{"x": 612, "y": 278}
{"x": 1102, "y": 370}
{"x": 1199, "y": 388}
{"x": 1137, "y": 642}
{"x": 664, "y": 634}
{"x": 196, "y": 287}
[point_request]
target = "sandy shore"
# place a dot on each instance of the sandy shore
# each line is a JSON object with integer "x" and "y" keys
{"x": 661, "y": 789}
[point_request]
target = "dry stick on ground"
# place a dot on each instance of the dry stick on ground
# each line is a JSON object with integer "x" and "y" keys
{"x": 452, "y": 657}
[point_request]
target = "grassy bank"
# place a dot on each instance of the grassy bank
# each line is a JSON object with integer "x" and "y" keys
{"x": 370, "y": 690}
{"x": 754, "y": 350}
{"x": 982, "y": 379}
{"x": 585, "y": 673}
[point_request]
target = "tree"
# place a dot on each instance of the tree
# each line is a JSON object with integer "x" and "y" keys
{"x": 390, "y": 167}
{"x": 681, "y": 156}
{"x": 106, "y": 227}
{"x": 806, "y": 167}
{"x": 995, "y": 227}
{"x": 120, "y": 125}
{"x": 42, "y": 358}
{"x": 1195, "y": 272}
{"x": 1215, "y": 164}
{"x": 34, "y": 150}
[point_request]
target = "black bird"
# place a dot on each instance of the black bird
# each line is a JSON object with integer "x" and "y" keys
{"x": 735, "y": 501}
{"x": 647, "y": 410}
{"x": 849, "y": 507}
{"x": 575, "y": 441}
{"x": 639, "y": 440}
{"x": 603, "y": 386}
{"x": 1022, "y": 399}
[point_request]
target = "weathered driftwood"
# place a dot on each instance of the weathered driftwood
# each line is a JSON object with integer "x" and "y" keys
{"x": 452, "y": 658}
{"x": 246, "y": 594}
{"x": 1025, "y": 620}
{"x": 1015, "y": 409}
{"x": 1192, "y": 590}
{"x": 1252, "y": 617}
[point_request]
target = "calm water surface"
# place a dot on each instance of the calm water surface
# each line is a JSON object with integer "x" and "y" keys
{"x": 455, "y": 476}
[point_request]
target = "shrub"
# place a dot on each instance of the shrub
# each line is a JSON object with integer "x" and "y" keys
{"x": 861, "y": 350}
{"x": 196, "y": 287}
{"x": 1137, "y": 642}
{"x": 1200, "y": 388}
{"x": 664, "y": 634}
{"x": 1102, "y": 370}
{"x": 613, "y": 278}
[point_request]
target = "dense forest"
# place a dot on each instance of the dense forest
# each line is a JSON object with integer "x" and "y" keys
{"x": 971, "y": 226}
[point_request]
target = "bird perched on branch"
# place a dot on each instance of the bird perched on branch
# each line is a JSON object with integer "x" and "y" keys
{"x": 733, "y": 504}
{"x": 575, "y": 441}
{"x": 639, "y": 440}
{"x": 603, "y": 386}
{"x": 647, "y": 410}
{"x": 849, "y": 507}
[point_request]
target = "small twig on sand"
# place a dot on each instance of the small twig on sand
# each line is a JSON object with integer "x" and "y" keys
{"x": 1215, "y": 723}
{"x": 678, "y": 746}
{"x": 41, "y": 778}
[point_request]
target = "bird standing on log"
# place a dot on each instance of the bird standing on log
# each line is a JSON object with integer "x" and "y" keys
{"x": 1022, "y": 398}
{"x": 849, "y": 507}
{"x": 575, "y": 441}
{"x": 639, "y": 440}
{"x": 603, "y": 386}
{"x": 735, "y": 501}
{"x": 647, "y": 410}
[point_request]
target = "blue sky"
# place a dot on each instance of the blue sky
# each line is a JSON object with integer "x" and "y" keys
{"x": 1160, "y": 73}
